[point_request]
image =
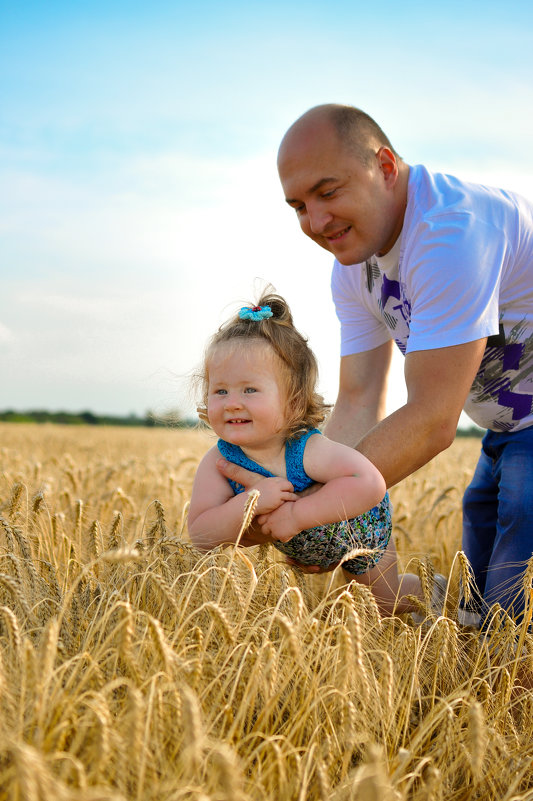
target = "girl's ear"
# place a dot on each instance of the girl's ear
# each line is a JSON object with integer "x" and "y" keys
{"x": 202, "y": 413}
{"x": 290, "y": 409}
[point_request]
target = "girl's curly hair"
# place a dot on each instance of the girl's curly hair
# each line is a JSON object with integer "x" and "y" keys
{"x": 299, "y": 370}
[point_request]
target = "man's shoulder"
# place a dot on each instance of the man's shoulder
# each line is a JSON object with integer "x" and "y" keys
{"x": 433, "y": 193}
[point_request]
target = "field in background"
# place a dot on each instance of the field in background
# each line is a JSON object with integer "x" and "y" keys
{"x": 133, "y": 667}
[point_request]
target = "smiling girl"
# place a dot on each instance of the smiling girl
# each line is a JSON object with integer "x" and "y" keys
{"x": 258, "y": 395}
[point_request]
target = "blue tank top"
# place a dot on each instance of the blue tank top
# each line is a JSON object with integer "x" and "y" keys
{"x": 294, "y": 461}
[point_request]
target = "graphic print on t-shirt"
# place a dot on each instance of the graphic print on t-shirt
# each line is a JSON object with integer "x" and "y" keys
{"x": 389, "y": 300}
{"x": 504, "y": 377}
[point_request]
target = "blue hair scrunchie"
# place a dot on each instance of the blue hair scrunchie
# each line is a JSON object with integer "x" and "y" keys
{"x": 255, "y": 312}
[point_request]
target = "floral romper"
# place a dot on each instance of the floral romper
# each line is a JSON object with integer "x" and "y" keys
{"x": 323, "y": 545}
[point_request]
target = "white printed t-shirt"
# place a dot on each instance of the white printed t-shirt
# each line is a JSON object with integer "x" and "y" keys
{"x": 461, "y": 270}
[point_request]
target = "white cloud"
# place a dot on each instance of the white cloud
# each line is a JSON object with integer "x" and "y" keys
{"x": 6, "y": 335}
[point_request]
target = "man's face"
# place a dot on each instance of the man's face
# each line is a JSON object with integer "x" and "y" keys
{"x": 344, "y": 205}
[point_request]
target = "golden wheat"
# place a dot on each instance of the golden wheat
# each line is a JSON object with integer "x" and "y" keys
{"x": 133, "y": 666}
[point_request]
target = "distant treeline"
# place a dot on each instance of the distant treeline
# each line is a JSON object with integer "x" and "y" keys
{"x": 150, "y": 419}
{"x": 473, "y": 431}
{"x": 171, "y": 419}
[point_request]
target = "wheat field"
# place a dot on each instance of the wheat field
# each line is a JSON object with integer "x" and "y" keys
{"x": 134, "y": 667}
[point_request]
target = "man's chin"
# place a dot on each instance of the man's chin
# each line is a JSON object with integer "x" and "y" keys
{"x": 348, "y": 256}
{"x": 345, "y": 258}
{"x": 348, "y": 259}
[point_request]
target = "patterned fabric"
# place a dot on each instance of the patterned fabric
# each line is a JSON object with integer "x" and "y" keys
{"x": 328, "y": 544}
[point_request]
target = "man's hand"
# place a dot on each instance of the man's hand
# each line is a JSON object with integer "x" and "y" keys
{"x": 274, "y": 491}
{"x": 310, "y": 568}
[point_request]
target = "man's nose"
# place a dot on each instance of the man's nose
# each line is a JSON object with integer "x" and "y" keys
{"x": 318, "y": 218}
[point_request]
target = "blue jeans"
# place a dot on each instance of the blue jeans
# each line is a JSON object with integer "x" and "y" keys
{"x": 498, "y": 519}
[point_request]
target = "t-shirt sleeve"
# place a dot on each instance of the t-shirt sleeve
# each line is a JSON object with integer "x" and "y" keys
{"x": 361, "y": 329}
{"x": 453, "y": 281}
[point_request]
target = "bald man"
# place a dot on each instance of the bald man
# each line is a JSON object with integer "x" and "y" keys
{"x": 444, "y": 269}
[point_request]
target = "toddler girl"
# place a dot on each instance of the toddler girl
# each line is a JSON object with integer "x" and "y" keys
{"x": 258, "y": 381}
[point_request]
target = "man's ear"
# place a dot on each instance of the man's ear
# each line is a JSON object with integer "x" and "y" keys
{"x": 388, "y": 165}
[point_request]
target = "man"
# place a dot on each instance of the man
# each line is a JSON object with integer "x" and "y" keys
{"x": 445, "y": 269}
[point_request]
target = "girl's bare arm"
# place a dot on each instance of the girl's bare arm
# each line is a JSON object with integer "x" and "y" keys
{"x": 215, "y": 513}
{"x": 351, "y": 486}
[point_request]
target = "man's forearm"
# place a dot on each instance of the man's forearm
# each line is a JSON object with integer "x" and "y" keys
{"x": 398, "y": 444}
{"x": 361, "y": 402}
{"x": 405, "y": 441}
{"x": 438, "y": 382}
{"x": 349, "y": 423}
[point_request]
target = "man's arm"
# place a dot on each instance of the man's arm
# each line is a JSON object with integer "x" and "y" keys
{"x": 437, "y": 382}
{"x": 362, "y": 395}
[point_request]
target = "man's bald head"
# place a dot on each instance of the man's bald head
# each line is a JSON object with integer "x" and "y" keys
{"x": 355, "y": 130}
{"x": 347, "y": 185}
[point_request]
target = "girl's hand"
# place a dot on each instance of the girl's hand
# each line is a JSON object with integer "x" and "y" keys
{"x": 274, "y": 491}
{"x": 280, "y": 524}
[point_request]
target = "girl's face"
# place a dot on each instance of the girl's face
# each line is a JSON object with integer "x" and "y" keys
{"x": 246, "y": 402}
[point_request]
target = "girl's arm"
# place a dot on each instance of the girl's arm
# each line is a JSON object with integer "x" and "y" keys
{"x": 351, "y": 486}
{"x": 215, "y": 513}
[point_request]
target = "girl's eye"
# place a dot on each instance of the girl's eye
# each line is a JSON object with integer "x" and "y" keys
{"x": 250, "y": 389}
{"x": 221, "y": 392}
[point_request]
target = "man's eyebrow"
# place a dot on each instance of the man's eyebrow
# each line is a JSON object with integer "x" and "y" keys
{"x": 314, "y": 188}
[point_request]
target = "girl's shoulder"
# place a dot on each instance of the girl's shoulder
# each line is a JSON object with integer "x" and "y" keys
{"x": 297, "y": 447}
{"x": 323, "y": 443}
{"x": 316, "y": 443}
{"x": 301, "y": 442}
{"x": 207, "y": 474}
{"x": 211, "y": 457}
{"x": 325, "y": 459}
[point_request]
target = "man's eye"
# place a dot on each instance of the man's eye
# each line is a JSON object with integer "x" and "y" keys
{"x": 329, "y": 194}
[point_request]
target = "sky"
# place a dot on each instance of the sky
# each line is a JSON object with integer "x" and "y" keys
{"x": 139, "y": 199}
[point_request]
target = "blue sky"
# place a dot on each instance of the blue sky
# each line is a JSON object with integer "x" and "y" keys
{"x": 139, "y": 201}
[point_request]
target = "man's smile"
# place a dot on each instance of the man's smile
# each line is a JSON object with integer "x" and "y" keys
{"x": 339, "y": 234}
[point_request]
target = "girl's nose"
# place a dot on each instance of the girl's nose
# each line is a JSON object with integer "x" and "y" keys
{"x": 233, "y": 401}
